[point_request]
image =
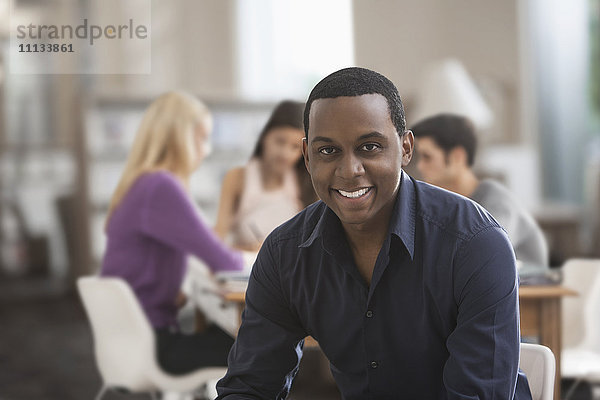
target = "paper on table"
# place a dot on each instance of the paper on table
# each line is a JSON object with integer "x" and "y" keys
{"x": 235, "y": 285}
{"x": 205, "y": 293}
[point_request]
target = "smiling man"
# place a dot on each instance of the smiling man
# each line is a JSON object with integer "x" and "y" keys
{"x": 410, "y": 290}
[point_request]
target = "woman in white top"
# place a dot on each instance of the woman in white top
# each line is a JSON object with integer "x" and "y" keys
{"x": 274, "y": 185}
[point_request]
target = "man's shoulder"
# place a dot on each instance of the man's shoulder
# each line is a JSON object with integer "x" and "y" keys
{"x": 491, "y": 189}
{"x": 451, "y": 212}
{"x": 500, "y": 202}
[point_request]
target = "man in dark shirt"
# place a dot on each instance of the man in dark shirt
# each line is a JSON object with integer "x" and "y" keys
{"x": 410, "y": 290}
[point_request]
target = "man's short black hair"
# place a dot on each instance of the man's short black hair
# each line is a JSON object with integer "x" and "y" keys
{"x": 449, "y": 131}
{"x": 355, "y": 81}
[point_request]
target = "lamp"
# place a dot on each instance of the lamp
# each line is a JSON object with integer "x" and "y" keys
{"x": 447, "y": 88}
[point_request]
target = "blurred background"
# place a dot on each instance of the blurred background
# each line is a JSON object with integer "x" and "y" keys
{"x": 527, "y": 72}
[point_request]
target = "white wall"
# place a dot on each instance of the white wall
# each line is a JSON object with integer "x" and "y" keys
{"x": 193, "y": 49}
{"x": 400, "y": 37}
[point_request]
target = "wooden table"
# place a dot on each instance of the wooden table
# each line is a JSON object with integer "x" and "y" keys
{"x": 541, "y": 317}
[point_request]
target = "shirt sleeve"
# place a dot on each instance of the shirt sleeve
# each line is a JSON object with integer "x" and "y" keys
{"x": 266, "y": 354}
{"x": 170, "y": 217}
{"x": 484, "y": 346}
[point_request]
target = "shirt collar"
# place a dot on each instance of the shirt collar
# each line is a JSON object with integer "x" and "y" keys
{"x": 402, "y": 223}
{"x": 327, "y": 218}
{"x": 404, "y": 215}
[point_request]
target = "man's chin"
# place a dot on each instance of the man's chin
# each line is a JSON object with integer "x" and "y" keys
{"x": 353, "y": 217}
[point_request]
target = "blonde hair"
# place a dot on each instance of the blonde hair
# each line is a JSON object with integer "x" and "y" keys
{"x": 165, "y": 140}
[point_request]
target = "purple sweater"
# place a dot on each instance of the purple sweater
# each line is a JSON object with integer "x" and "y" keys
{"x": 149, "y": 235}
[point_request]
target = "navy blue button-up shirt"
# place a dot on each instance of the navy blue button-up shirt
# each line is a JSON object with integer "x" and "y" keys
{"x": 439, "y": 320}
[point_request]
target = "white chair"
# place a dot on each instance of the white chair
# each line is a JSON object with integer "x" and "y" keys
{"x": 125, "y": 345}
{"x": 580, "y": 358}
{"x": 539, "y": 365}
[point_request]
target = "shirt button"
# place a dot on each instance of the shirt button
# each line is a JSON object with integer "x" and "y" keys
{"x": 369, "y": 314}
{"x": 374, "y": 364}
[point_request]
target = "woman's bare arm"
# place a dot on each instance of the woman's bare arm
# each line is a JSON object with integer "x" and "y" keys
{"x": 229, "y": 200}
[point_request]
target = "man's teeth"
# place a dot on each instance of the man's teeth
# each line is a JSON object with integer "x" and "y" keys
{"x": 353, "y": 195}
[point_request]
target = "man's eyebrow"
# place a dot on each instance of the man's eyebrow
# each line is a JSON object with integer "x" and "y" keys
{"x": 373, "y": 134}
{"x": 322, "y": 139}
{"x": 369, "y": 135}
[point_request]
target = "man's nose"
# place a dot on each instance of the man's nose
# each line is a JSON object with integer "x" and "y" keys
{"x": 350, "y": 167}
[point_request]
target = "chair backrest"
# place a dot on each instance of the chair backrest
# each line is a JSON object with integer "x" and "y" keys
{"x": 539, "y": 365}
{"x": 123, "y": 338}
{"x": 580, "y": 313}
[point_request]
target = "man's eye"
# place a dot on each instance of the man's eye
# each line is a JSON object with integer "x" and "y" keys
{"x": 327, "y": 150}
{"x": 369, "y": 147}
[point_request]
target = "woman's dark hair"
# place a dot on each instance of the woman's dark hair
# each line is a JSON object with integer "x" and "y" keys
{"x": 289, "y": 113}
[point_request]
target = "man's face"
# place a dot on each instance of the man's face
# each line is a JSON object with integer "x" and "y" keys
{"x": 433, "y": 162}
{"x": 354, "y": 156}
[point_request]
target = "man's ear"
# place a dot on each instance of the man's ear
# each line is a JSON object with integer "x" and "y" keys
{"x": 408, "y": 146}
{"x": 305, "y": 153}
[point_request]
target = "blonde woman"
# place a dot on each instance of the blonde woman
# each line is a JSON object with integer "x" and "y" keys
{"x": 153, "y": 224}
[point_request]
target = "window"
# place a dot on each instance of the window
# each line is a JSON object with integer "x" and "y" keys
{"x": 595, "y": 59}
{"x": 285, "y": 47}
